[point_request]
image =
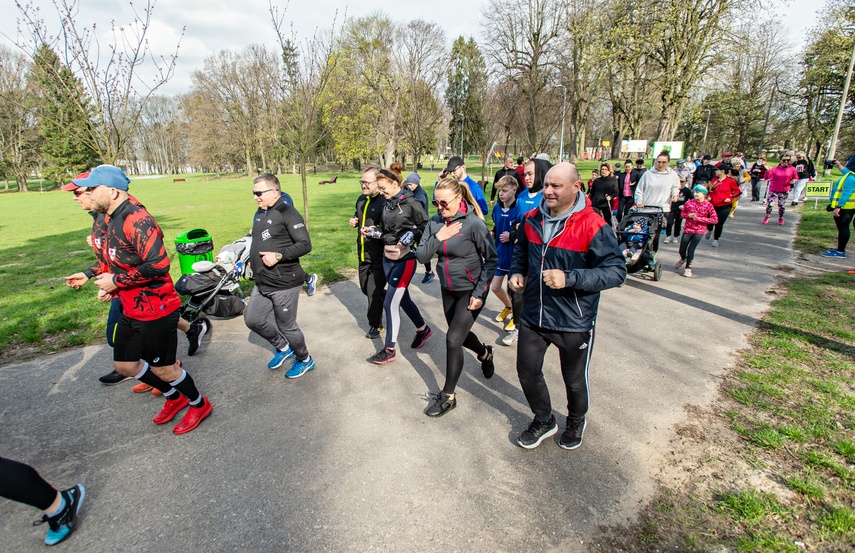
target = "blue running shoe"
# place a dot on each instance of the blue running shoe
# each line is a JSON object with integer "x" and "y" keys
{"x": 299, "y": 368}
{"x": 280, "y": 358}
{"x": 428, "y": 278}
{"x": 311, "y": 284}
{"x": 834, "y": 253}
{"x": 62, "y": 525}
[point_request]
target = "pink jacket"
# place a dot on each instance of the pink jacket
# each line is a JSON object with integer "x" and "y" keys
{"x": 780, "y": 177}
{"x": 704, "y": 215}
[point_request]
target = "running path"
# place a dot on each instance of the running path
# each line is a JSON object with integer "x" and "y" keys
{"x": 343, "y": 459}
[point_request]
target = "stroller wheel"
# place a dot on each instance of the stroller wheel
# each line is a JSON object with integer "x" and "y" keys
{"x": 657, "y": 271}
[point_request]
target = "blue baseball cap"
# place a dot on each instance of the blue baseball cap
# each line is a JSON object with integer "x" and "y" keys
{"x": 105, "y": 175}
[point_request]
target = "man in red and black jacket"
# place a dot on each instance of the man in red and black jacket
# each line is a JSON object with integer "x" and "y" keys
{"x": 565, "y": 256}
{"x": 136, "y": 270}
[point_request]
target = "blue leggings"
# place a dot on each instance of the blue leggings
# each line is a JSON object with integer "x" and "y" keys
{"x": 113, "y": 319}
{"x": 398, "y": 276}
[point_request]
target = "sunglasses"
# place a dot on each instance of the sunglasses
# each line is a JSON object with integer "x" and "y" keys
{"x": 367, "y": 182}
{"x": 785, "y": 161}
{"x": 80, "y": 191}
{"x": 442, "y": 204}
{"x": 258, "y": 193}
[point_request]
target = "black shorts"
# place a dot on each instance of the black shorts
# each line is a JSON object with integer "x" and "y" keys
{"x": 155, "y": 341}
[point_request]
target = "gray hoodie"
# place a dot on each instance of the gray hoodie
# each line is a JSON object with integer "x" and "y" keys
{"x": 656, "y": 188}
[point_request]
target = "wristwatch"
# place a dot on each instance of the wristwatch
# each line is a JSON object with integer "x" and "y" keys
{"x": 278, "y": 256}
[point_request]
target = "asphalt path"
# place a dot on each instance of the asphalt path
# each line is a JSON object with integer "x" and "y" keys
{"x": 343, "y": 459}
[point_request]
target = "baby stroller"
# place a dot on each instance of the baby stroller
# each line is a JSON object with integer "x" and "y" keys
{"x": 652, "y": 219}
{"x": 214, "y": 288}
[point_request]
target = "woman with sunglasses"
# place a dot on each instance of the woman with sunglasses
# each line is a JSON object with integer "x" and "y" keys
{"x": 400, "y": 228}
{"x": 467, "y": 262}
{"x": 781, "y": 179}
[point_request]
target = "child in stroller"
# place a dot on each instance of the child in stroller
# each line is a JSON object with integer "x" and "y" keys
{"x": 635, "y": 237}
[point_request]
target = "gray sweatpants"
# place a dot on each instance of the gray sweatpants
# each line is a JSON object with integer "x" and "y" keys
{"x": 281, "y": 328}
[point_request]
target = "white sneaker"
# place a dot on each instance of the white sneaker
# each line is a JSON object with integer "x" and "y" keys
{"x": 512, "y": 337}
{"x": 714, "y": 244}
{"x": 687, "y": 273}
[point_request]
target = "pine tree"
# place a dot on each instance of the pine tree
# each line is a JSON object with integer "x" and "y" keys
{"x": 465, "y": 95}
{"x": 64, "y": 117}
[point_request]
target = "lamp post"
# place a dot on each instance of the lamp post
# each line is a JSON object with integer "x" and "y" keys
{"x": 832, "y": 150}
{"x": 563, "y": 111}
{"x": 706, "y": 129}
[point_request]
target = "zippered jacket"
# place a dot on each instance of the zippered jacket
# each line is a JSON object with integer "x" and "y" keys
{"x": 843, "y": 191}
{"x": 369, "y": 211}
{"x": 99, "y": 230}
{"x": 704, "y": 215}
{"x": 401, "y": 214}
{"x": 133, "y": 251}
{"x": 723, "y": 192}
{"x": 467, "y": 260}
{"x": 280, "y": 229}
{"x": 586, "y": 249}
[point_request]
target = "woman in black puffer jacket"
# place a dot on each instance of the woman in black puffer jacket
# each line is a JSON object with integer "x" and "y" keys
{"x": 400, "y": 228}
{"x": 467, "y": 263}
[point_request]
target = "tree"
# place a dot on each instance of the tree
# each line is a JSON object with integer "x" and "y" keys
{"x": 527, "y": 52}
{"x": 305, "y": 71}
{"x": 113, "y": 90}
{"x": 64, "y": 118}
{"x": 19, "y": 134}
{"x": 465, "y": 96}
{"x": 423, "y": 55}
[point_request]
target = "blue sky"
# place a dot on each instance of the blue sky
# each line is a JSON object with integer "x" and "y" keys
{"x": 213, "y": 25}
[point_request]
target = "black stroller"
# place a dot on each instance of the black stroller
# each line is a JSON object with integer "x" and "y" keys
{"x": 214, "y": 288}
{"x": 651, "y": 220}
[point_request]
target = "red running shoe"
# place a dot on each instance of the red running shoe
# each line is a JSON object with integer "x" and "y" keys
{"x": 170, "y": 409}
{"x": 193, "y": 417}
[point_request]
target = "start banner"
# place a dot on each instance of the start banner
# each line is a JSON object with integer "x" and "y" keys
{"x": 819, "y": 190}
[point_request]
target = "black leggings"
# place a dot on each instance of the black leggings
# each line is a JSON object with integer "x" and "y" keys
{"x": 22, "y": 483}
{"x": 842, "y": 222}
{"x": 723, "y": 213}
{"x": 459, "y": 336}
{"x": 688, "y": 245}
{"x": 675, "y": 222}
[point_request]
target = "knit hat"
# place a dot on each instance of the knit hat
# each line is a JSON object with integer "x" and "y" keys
{"x": 850, "y": 163}
{"x": 700, "y": 188}
{"x": 414, "y": 178}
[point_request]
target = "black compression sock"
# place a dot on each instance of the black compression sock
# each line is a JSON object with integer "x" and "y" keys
{"x": 147, "y": 376}
{"x": 187, "y": 387}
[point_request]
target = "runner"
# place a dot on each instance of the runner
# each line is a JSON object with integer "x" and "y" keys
{"x": 722, "y": 191}
{"x": 781, "y": 179}
{"x": 279, "y": 240}
{"x": 505, "y": 218}
{"x": 467, "y": 262}
{"x": 400, "y": 228}
{"x": 413, "y": 182}
{"x": 372, "y": 280}
{"x": 22, "y": 483}
{"x": 805, "y": 171}
{"x": 137, "y": 272}
{"x": 698, "y": 213}
{"x": 195, "y": 331}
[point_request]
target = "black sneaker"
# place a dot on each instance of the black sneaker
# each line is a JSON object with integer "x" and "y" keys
{"x": 373, "y": 332}
{"x": 442, "y": 404}
{"x": 198, "y": 329}
{"x": 572, "y": 436}
{"x": 112, "y": 378}
{"x": 421, "y": 337}
{"x": 62, "y": 525}
{"x": 487, "y": 366}
{"x": 537, "y": 432}
{"x": 385, "y": 355}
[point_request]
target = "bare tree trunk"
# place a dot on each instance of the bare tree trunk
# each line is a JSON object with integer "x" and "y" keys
{"x": 305, "y": 192}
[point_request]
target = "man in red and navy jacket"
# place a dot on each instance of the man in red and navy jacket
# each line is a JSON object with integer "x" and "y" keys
{"x": 135, "y": 269}
{"x": 564, "y": 257}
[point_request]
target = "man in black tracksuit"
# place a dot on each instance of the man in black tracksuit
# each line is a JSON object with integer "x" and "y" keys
{"x": 279, "y": 239}
{"x": 565, "y": 256}
{"x": 510, "y": 170}
{"x": 372, "y": 279}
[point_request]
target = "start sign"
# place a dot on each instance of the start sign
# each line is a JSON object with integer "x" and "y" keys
{"x": 818, "y": 190}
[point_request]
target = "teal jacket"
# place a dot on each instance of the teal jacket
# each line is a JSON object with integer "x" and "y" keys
{"x": 843, "y": 191}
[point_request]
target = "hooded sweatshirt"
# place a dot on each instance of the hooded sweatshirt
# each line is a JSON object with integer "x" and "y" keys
{"x": 657, "y": 187}
{"x": 842, "y": 193}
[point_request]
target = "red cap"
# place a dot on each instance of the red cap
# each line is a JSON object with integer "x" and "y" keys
{"x": 727, "y": 154}
{"x": 71, "y": 186}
